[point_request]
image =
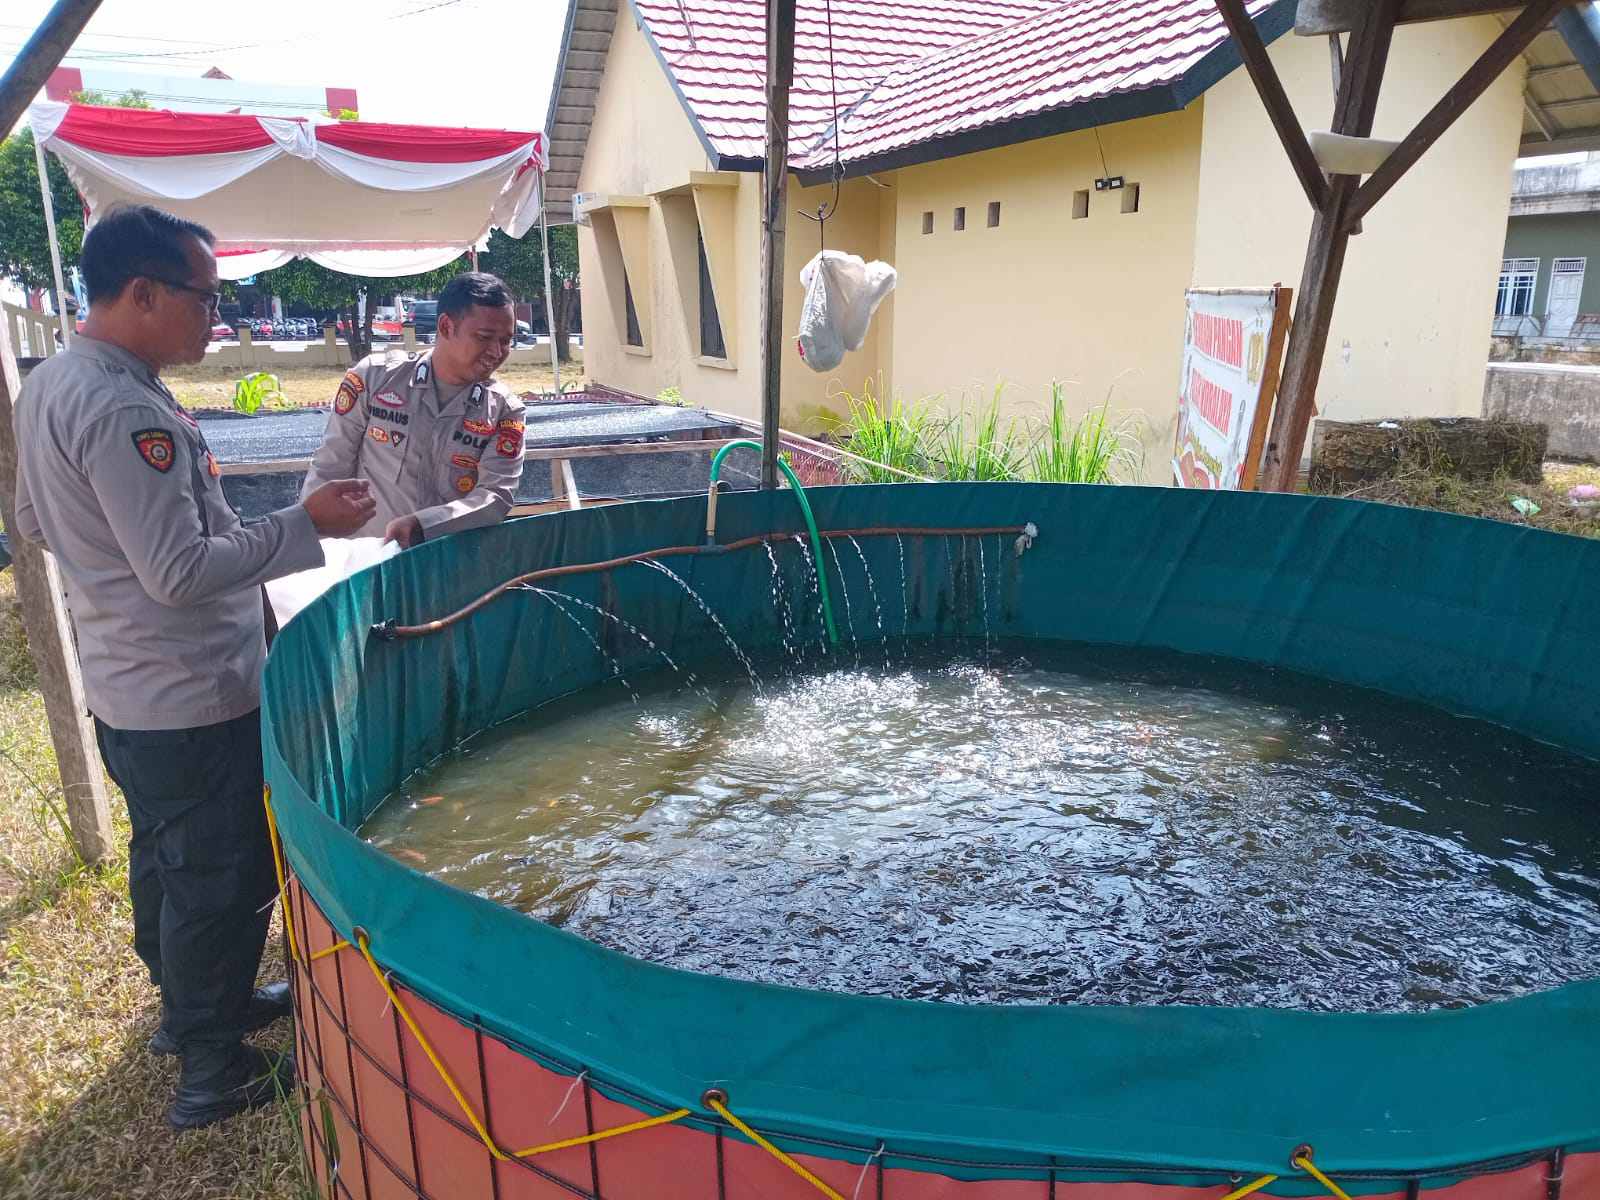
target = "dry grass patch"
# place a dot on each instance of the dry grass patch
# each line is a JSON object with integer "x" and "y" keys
{"x": 82, "y": 1110}
{"x": 206, "y": 386}
{"x": 1492, "y": 498}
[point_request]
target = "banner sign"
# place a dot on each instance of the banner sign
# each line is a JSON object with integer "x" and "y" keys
{"x": 1232, "y": 342}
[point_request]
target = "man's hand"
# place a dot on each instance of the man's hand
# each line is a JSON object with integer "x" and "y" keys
{"x": 340, "y": 507}
{"x": 405, "y": 530}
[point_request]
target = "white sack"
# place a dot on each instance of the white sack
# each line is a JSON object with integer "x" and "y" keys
{"x": 341, "y": 558}
{"x": 842, "y": 293}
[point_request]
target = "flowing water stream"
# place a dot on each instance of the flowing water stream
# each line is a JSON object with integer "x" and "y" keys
{"x": 1034, "y": 824}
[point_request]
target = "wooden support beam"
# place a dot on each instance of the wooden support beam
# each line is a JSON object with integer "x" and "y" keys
{"x": 42, "y": 55}
{"x": 50, "y": 641}
{"x": 44, "y": 615}
{"x": 1354, "y": 108}
{"x": 1502, "y": 52}
{"x": 775, "y": 185}
{"x": 1316, "y": 17}
{"x": 1253, "y": 51}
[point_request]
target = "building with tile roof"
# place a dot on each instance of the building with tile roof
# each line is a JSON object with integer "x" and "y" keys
{"x": 967, "y": 138}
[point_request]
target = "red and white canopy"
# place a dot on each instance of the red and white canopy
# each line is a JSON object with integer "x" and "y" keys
{"x": 366, "y": 198}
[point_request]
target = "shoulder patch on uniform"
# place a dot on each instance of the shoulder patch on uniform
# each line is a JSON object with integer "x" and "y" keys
{"x": 508, "y": 438}
{"x": 350, "y": 389}
{"x": 155, "y": 447}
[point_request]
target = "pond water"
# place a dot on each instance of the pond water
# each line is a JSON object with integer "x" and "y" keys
{"x": 1032, "y": 824}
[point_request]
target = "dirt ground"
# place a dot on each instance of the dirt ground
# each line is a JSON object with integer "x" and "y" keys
{"x": 1493, "y": 498}
{"x": 205, "y": 386}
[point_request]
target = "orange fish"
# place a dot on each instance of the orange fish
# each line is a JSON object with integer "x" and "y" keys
{"x": 410, "y": 856}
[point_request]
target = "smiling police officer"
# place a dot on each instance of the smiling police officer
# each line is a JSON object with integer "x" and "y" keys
{"x": 439, "y": 439}
{"x": 164, "y": 586}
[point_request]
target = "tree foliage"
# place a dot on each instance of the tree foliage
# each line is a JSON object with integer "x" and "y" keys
{"x": 305, "y": 282}
{"x": 520, "y": 262}
{"x": 24, "y": 242}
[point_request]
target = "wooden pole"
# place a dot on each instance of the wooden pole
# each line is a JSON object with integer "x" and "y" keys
{"x": 43, "y": 54}
{"x": 775, "y": 183}
{"x": 67, "y": 320}
{"x": 1357, "y": 102}
{"x": 38, "y": 583}
{"x": 549, "y": 296}
{"x": 50, "y": 640}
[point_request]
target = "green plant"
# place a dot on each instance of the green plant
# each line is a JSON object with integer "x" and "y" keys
{"x": 251, "y": 392}
{"x": 672, "y": 396}
{"x": 977, "y": 447}
{"x": 890, "y": 442}
{"x": 1093, "y": 449}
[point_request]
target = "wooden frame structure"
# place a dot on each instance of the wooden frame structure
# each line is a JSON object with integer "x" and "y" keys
{"x": 1339, "y": 202}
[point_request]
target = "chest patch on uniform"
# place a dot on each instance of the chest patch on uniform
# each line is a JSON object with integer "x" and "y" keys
{"x": 390, "y": 399}
{"x": 396, "y": 436}
{"x": 350, "y": 389}
{"x": 155, "y": 447}
{"x": 466, "y": 483}
{"x": 481, "y": 428}
{"x": 463, "y": 460}
{"x": 394, "y": 418}
{"x": 378, "y": 434}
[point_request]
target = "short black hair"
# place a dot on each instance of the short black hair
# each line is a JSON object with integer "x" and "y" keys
{"x": 133, "y": 240}
{"x": 472, "y": 288}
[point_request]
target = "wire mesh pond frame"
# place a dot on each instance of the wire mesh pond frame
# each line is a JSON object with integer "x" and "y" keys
{"x": 452, "y": 1047}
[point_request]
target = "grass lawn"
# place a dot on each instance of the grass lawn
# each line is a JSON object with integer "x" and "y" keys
{"x": 206, "y": 386}
{"x": 81, "y": 1113}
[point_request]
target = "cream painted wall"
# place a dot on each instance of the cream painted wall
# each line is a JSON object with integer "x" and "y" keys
{"x": 1095, "y": 302}
{"x": 1410, "y": 333}
{"x": 641, "y": 144}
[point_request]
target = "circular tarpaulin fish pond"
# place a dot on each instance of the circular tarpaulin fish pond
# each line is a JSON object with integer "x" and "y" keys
{"x": 453, "y": 1047}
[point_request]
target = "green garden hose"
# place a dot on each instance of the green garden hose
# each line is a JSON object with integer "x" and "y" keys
{"x": 805, "y": 509}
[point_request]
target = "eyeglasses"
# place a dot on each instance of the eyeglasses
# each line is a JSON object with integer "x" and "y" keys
{"x": 214, "y": 299}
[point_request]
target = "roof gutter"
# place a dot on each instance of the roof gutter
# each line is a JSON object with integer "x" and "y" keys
{"x": 1580, "y": 26}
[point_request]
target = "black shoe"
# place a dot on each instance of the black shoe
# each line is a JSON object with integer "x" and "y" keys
{"x": 266, "y": 1006}
{"x": 219, "y": 1082}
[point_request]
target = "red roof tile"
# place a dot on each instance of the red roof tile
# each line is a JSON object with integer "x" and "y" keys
{"x": 908, "y": 72}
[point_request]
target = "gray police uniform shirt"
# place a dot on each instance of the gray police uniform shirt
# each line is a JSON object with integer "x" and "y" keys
{"x": 451, "y": 456}
{"x": 163, "y": 579}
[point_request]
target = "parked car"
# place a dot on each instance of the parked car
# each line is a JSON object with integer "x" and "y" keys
{"x": 425, "y": 316}
{"x": 525, "y": 334}
{"x": 221, "y": 332}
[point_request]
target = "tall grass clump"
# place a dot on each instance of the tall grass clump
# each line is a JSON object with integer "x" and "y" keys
{"x": 979, "y": 447}
{"x": 1092, "y": 449}
{"x": 889, "y": 440}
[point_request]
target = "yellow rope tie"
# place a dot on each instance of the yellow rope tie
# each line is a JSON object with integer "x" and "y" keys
{"x": 427, "y": 1048}
{"x": 647, "y": 1123}
{"x": 277, "y": 865}
{"x": 1250, "y": 1188}
{"x": 341, "y": 944}
{"x": 755, "y": 1137}
{"x": 1310, "y": 1168}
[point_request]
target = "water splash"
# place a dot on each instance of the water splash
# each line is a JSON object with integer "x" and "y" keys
{"x": 877, "y": 609}
{"x": 611, "y": 663}
{"x": 744, "y": 659}
{"x": 844, "y": 590}
{"x": 780, "y": 601}
{"x": 688, "y": 676}
{"x": 905, "y": 598}
{"x": 815, "y": 585}
{"x": 983, "y": 593}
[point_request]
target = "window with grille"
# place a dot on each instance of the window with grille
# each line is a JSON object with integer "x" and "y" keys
{"x": 1518, "y": 278}
{"x": 711, "y": 343}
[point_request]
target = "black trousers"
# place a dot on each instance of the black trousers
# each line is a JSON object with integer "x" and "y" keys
{"x": 200, "y": 870}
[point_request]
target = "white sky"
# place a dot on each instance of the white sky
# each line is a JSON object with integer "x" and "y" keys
{"x": 433, "y": 62}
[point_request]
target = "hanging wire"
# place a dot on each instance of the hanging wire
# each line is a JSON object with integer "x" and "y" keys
{"x": 826, "y": 211}
{"x": 1102, "y": 150}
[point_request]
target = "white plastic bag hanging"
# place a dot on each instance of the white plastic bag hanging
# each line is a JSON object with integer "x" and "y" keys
{"x": 842, "y": 292}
